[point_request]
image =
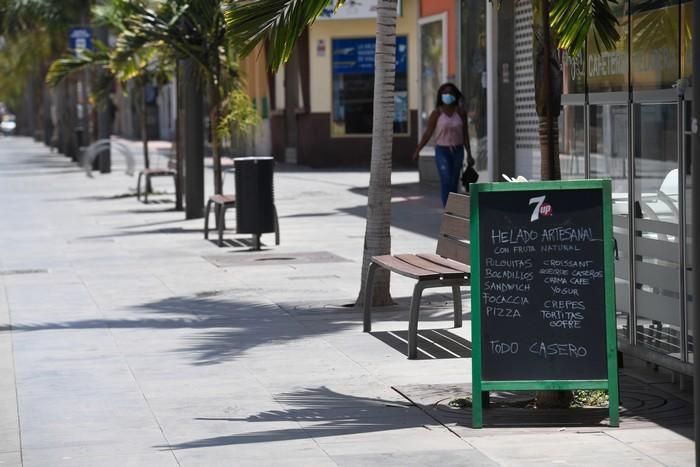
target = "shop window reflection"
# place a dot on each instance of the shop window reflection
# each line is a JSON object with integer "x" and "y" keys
{"x": 655, "y": 47}
{"x": 608, "y": 70}
{"x": 608, "y": 146}
{"x": 609, "y": 150}
{"x": 572, "y": 156}
{"x": 657, "y": 248}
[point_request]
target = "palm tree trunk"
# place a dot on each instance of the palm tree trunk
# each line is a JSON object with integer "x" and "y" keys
{"x": 378, "y": 228}
{"x": 179, "y": 152}
{"x": 549, "y": 145}
{"x": 144, "y": 124}
{"x": 214, "y": 111}
{"x": 144, "y": 131}
{"x": 548, "y": 89}
{"x": 192, "y": 138}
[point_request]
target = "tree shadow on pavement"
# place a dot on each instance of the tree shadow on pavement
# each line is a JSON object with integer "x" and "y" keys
{"x": 225, "y": 325}
{"x": 413, "y": 208}
{"x": 319, "y": 412}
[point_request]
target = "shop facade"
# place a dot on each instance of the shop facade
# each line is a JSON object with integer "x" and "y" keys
{"x": 626, "y": 116}
{"x": 323, "y": 98}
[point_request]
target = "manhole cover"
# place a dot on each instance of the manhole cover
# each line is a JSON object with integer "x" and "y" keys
{"x": 314, "y": 278}
{"x": 12, "y": 272}
{"x": 277, "y": 258}
{"x": 259, "y": 259}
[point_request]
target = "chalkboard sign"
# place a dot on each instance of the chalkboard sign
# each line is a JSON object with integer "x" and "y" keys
{"x": 542, "y": 288}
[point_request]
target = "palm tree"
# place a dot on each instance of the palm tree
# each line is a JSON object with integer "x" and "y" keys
{"x": 34, "y": 33}
{"x": 278, "y": 24}
{"x": 572, "y": 24}
{"x": 191, "y": 30}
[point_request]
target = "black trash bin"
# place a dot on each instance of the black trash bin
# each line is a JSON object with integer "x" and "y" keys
{"x": 255, "y": 204}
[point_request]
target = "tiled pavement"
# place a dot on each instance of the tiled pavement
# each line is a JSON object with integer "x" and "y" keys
{"x": 127, "y": 339}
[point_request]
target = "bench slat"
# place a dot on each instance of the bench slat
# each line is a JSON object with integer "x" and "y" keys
{"x": 458, "y": 205}
{"x": 437, "y": 259}
{"x": 401, "y": 267}
{"x": 444, "y": 271}
{"x": 453, "y": 249}
{"x": 453, "y": 226}
{"x": 153, "y": 172}
{"x": 223, "y": 199}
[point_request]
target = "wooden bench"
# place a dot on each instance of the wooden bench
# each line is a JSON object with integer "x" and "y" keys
{"x": 449, "y": 267}
{"x": 221, "y": 204}
{"x": 148, "y": 174}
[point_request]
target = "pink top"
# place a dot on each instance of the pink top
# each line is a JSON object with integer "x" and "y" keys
{"x": 450, "y": 130}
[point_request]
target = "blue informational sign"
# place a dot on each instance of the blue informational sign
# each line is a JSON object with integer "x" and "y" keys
{"x": 357, "y": 55}
{"x": 80, "y": 39}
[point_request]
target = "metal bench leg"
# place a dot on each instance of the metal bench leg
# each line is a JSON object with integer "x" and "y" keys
{"x": 147, "y": 179}
{"x": 216, "y": 215}
{"x": 277, "y": 226}
{"x": 177, "y": 189}
{"x": 413, "y": 321}
{"x": 206, "y": 220}
{"x": 220, "y": 208}
{"x": 457, "y": 297}
{"x": 369, "y": 287}
{"x": 138, "y": 187}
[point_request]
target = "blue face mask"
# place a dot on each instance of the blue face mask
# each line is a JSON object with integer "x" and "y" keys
{"x": 448, "y": 99}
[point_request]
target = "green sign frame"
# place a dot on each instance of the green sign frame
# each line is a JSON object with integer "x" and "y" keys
{"x": 611, "y": 383}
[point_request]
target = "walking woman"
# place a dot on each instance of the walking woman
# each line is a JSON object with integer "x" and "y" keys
{"x": 449, "y": 120}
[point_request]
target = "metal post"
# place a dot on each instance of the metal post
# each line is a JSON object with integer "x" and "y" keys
{"x": 695, "y": 206}
{"x": 193, "y": 133}
{"x": 104, "y": 116}
{"x": 682, "y": 231}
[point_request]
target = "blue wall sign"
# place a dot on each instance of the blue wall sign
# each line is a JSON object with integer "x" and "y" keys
{"x": 80, "y": 39}
{"x": 357, "y": 55}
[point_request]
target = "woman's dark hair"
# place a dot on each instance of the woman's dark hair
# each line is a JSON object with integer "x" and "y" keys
{"x": 441, "y": 90}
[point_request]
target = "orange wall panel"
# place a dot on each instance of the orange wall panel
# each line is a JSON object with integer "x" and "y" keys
{"x": 434, "y": 7}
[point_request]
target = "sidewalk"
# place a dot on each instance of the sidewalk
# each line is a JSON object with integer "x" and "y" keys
{"x": 127, "y": 339}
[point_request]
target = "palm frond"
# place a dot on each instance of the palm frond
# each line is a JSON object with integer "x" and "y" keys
{"x": 573, "y": 20}
{"x": 279, "y": 23}
{"x": 70, "y": 64}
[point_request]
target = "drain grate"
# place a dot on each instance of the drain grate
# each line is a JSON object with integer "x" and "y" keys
{"x": 313, "y": 278}
{"x": 13, "y": 272}
{"x": 260, "y": 259}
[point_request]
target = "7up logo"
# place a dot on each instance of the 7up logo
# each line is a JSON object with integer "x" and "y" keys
{"x": 541, "y": 208}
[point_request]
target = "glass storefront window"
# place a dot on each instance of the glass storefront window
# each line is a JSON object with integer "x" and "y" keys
{"x": 608, "y": 69}
{"x": 686, "y": 39}
{"x": 609, "y": 150}
{"x": 572, "y": 148}
{"x": 608, "y": 145}
{"x": 353, "y": 86}
{"x": 574, "y": 73}
{"x": 433, "y": 66}
{"x": 656, "y": 238}
{"x": 655, "y": 47}
{"x": 640, "y": 141}
{"x": 473, "y": 73}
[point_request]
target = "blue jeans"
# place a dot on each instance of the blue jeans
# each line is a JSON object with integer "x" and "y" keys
{"x": 449, "y": 160}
